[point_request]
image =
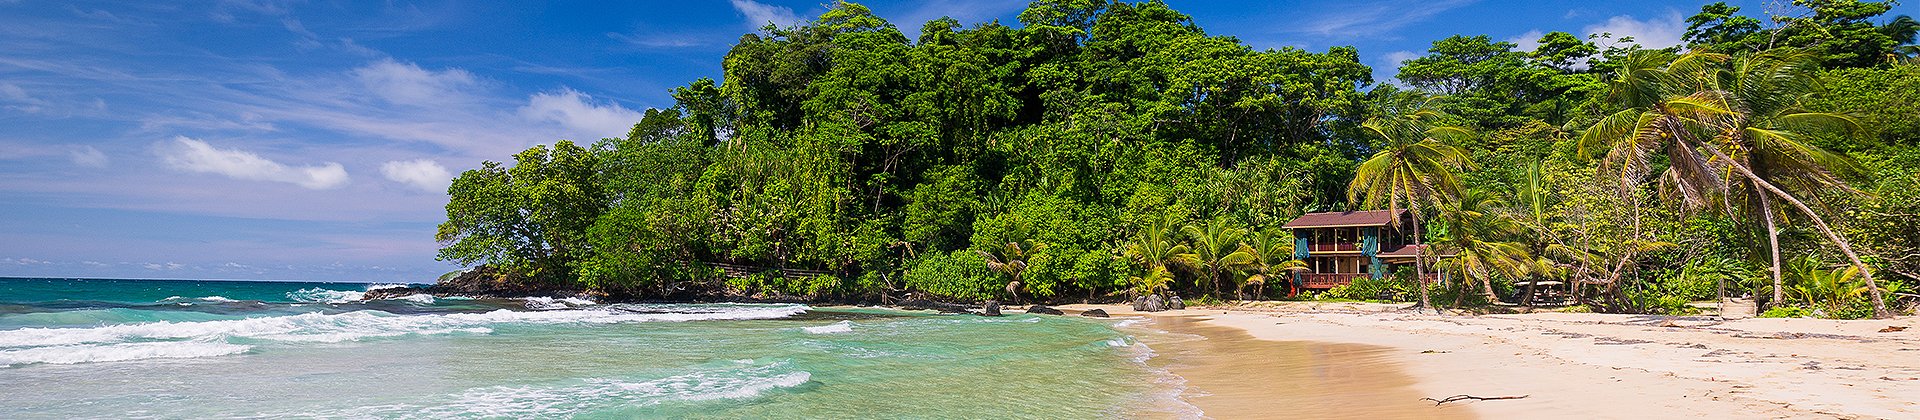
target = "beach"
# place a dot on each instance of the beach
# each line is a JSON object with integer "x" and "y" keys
{"x": 1566, "y": 365}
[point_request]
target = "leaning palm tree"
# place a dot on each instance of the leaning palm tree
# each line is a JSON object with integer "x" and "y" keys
{"x": 1699, "y": 111}
{"x": 1476, "y": 225}
{"x": 1217, "y": 250}
{"x": 1414, "y": 169}
{"x": 1012, "y": 261}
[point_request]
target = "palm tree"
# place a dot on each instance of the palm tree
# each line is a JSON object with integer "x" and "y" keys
{"x": 1414, "y": 169}
{"x": 1012, "y": 261}
{"x": 1217, "y": 250}
{"x": 1272, "y": 258}
{"x": 1153, "y": 250}
{"x": 1475, "y": 223}
{"x": 1697, "y": 109}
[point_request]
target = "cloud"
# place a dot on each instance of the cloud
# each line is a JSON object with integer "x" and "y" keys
{"x": 88, "y": 156}
{"x": 760, "y": 14}
{"x": 573, "y": 110}
{"x": 669, "y": 40}
{"x": 167, "y": 266}
{"x": 424, "y": 174}
{"x": 17, "y": 99}
{"x": 408, "y": 84}
{"x": 1373, "y": 18}
{"x": 1528, "y": 41}
{"x": 192, "y": 155}
{"x": 1659, "y": 32}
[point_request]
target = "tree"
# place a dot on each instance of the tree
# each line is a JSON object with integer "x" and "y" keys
{"x": 1272, "y": 259}
{"x": 1012, "y": 261}
{"x": 1695, "y": 110}
{"x": 1476, "y": 226}
{"x": 1217, "y": 250}
{"x": 1415, "y": 169}
{"x": 530, "y": 219}
{"x": 1154, "y": 249}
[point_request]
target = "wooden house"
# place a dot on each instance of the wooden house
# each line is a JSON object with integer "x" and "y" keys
{"x": 1339, "y": 247}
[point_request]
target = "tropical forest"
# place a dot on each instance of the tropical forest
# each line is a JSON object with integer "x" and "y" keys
{"x": 1101, "y": 151}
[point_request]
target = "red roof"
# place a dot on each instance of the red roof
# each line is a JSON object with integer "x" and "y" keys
{"x": 1343, "y": 219}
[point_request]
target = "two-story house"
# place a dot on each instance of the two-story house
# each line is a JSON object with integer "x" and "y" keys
{"x": 1341, "y": 246}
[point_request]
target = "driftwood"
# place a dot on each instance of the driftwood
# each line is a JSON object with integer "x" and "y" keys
{"x": 1464, "y": 397}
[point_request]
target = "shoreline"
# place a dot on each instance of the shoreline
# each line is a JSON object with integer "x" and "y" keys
{"x": 1608, "y": 366}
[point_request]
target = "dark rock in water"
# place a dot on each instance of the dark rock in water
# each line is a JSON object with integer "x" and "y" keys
{"x": 952, "y": 308}
{"x": 1176, "y": 303}
{"x": 1154, "y": 304}
{"x": 992, "y": 309}
{"x": 1096, "y": 313}
{"x": 392, "y": 292}
{"x": 1043, "y": 309}
{"x": 1140, "y": 303}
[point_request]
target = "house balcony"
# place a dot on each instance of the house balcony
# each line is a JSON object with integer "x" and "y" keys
{"x": 1333, "y": 247}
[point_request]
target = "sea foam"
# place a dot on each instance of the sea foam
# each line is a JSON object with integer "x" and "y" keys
{"x": 164, "y": 339}
{"x": 744, "y": 380}
{"x": 834, "y": 328}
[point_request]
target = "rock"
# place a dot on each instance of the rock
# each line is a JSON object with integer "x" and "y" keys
{"x": 1140, "y": 303}
{"x": 992, "y": 308}
{"x": 1043, "y": 309}
{"x": 392, "y": 292}
{"x": 1154, "y": 304}
{"x": 1176, "y": 303}
{"x": 1096, "y": 313}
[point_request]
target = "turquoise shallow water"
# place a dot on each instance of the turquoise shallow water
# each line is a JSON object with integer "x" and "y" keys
{"x": 74, "y": 348}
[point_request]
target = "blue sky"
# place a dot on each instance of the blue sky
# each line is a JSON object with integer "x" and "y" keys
{"x": 313, "y": 140}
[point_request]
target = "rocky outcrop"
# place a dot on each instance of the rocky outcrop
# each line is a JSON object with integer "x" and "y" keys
{"x": 1043, "y": 309}
{"x": 1176, "y": 304}
{"x": 1154, "y": 304}
{"x": 1140, "y": 304}
{"x": 1096, "y": 313}
{"x": 992, "y": 308}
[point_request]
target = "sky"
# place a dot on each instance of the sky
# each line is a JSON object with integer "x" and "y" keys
{"x": 314, "y": 140}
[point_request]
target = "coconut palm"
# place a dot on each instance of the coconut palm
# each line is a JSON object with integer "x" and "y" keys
{"x": 1012, "y": 261}
{"x": 1701, "y": 109}
{"x": 1272, "y": 258}
{"x": 1414, "y": 169}
{"x": 1475, "y": 225}
{"x": 1153, "y": 249}
{"x": 1217, "y": 250}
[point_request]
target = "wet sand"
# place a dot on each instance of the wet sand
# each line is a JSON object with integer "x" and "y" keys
{"x": 1232, "y": 375}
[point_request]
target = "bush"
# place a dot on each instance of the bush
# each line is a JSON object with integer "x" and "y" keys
{"x": 1786, "y": 312}
{"x": 961, "y": 275}
{"x": 1368, "y": 288}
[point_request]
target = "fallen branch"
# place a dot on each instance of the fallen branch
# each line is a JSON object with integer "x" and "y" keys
{"x": 1464, "y": 397}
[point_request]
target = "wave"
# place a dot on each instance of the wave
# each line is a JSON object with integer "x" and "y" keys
{"x": 320, "y": 295}
{"x": 741, "y": 381}
{"x": 35, "y": 344}
{"x": 378, "y": 286}
{"x": 117, "y": 352}
{"x": 547, "y": 303}
{"x": 834, "y": 328}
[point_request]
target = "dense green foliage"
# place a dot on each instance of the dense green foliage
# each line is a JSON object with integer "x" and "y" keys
{"x": 1104, "y": 149}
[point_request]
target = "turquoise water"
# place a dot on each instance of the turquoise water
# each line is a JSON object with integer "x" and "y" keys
{"x": 179, "y": 349}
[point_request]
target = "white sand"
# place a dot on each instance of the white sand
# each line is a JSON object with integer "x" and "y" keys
{"x": 1618, "y": 366}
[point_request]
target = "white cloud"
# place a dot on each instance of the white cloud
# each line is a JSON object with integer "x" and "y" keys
{"x": 1351, "y": 19}
{"x": 1392, "y": 60}
{"x": 760, "y": 14}
{"x": 197, "y": 156}
{"x": 88, "y": 156}
{"x": 17, "y": 99}
{"x": 1659, "y": 32}
{"x": 167, "y": 266}
{"x": 408, "y": 84}
{"x": 575, "y": 111}
{"x": 667, "y": 40}
{"x": 1527, "y": 42}
{"x": 424, "y": 174}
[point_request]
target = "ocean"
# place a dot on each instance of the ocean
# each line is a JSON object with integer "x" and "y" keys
{"x": 77, "y": 348}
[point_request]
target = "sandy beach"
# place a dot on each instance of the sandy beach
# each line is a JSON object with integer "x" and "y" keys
{"x": 1567, "y": 365}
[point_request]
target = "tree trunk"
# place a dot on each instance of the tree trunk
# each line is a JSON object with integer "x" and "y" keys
{"x": 1419, "y": 263}
{"x": 1873, "y": 288}
{"x": 1773, "y": 246}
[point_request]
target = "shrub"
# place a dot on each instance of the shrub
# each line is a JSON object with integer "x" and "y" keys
{"x": 961, "y": 275}
{"x": 1786, "y": 312}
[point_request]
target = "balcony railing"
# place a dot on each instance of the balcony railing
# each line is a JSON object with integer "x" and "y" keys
{"x": 1332, "y": 246}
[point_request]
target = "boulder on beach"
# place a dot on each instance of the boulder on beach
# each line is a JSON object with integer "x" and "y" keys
{"x": 1096, "y": 313}
{"x": 1176, "y": 303}
{"x": 992, "y": 308}
{"x": 1154, "y": 304}
{"x": 1043, "y": 309}
{"x": 1140, "y": 303}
